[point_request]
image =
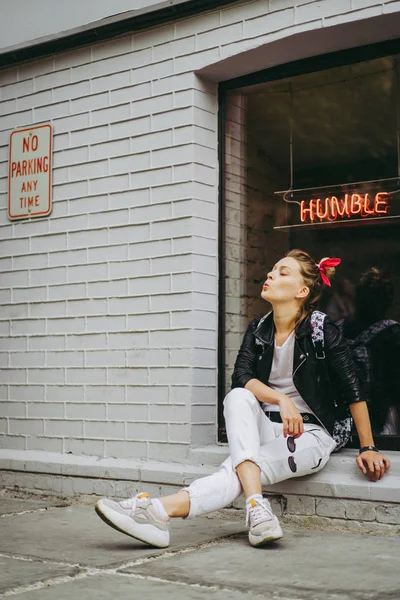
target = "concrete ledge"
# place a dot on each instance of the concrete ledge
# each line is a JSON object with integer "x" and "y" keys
{"x": 338, "y": 492}
{"x": 340, "y": 478}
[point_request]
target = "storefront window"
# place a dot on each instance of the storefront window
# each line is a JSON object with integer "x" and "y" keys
{"x": 312, "y": 162}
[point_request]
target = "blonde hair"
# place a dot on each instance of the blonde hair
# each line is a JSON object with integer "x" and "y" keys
{"x": 310, "y": 272}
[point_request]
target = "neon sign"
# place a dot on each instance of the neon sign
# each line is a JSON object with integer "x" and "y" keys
{"x": 333, "y": 208}
{"x": 358, "y": 203}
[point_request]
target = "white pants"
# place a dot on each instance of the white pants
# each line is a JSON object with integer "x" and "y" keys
{"x": 252, "y": 436}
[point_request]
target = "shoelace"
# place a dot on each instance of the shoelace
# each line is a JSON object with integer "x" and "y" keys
{"x": 135, "y": 501}
{"x": 258, "y": 513}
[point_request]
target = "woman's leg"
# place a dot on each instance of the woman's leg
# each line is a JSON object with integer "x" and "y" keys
{"x": 285, "y": 458}
{"x": 247, "y": 428}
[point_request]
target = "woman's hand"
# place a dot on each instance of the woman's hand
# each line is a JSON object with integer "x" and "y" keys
{"x": 373, "y": 464}
{"x": 291, "y": 418}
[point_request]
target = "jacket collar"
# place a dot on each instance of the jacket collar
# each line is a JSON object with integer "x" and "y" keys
{"x": 265, "y": 329}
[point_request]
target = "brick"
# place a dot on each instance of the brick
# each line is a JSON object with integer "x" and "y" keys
{"x": 72, "y": 123}
{"x": 130, "y": 93}
{"x": 67, "y": 325}
{"x": 105, "y": 358}
{"x": 89, "y": 135}
{"x": 45, "y": 375}
{"x": 129, "y": 305}
{"x": 49, "y": 243}
{"x": 179, "y": 433}
{"x": 241, "y": 12}
{"x": 46, "y": 343}
{"x": 47, "y": 309}
{"x": 203, "y": 414}
{"x": 331, "y": 508}
{"x": 28, "y": 327}
{"x": 325, "y": 8}
{"x": 45, "y": 444}
{"x": 129, "y": 268}
{"x": 87, "y": 272}
{"x": 33, "y": 294}
{"x": 26, "y": 392}
{"x": 64, "y": 359}
{"x": 108, "y": 393}
{"x": 84, "y": 447}
{"x": 85, "y": 411}
{"x": 100, "y": 429}
{"x": 45, "y": 410}
{"x": 108, "y": 184}
{"x": 27, "y": 359}
{"x": 155, "y": 321}
{"x": 15, "y": 247}
{"x": 127, "y": 412}
{"x": 35, "y": 260}
{"x": 64, "y": 428}
{"x": 202, "y": 435}
{"x": 130, "y": 128}
{"x": 129, "y": 449}
{"x": 86, "y": 307}
{"x": 69, "y": 92}
{"x": 16, "y": 343}
{"x": 85, "y": 376}
{"x": 89, "y": 103}
{"x": 147, "y": 393}
{"x": 171, "y": 302}
{"x": 13, "y": 409}
{"x": 167, "y": 452}
{"x": 15, "y": 279}
{"x": 147, "y": 431}
{"x": 58, "y": 292}
{"x": 360, "y": 511}
{"x": 389, "y": 513}
{"x": 171, "y": 338}
{"x": 84, "y": 239}
{"x": 110, "y": 115}
{"x": 300, "y": 505}
{"x": 132, "y": 376}
{"x": 26, "y": 426}
{"x": 137, "y": 358}
{"x": 108, "y": 288}
{"x": 156, "y": 212}
{"x": 130, "y": 164}
{"x": 106, "y": 323}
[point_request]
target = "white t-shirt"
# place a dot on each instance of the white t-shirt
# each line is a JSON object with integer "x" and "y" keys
{"x": 281, "y": 377}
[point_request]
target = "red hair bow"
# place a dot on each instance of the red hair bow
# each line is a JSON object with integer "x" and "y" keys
{"x": 324, "y": 265}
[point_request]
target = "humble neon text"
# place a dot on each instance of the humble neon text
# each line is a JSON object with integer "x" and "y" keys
{"x": 333, "y": 208}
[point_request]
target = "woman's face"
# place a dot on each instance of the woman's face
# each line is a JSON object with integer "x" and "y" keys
{"x": 284, "y": 282}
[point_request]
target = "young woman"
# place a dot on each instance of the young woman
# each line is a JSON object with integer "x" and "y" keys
{"x": 279, "y": 415}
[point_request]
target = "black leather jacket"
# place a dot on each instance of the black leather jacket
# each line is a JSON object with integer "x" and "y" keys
{"x": 254, "y": 361}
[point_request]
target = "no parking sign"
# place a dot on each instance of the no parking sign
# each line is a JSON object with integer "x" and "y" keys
{"x": 29, "y": 172}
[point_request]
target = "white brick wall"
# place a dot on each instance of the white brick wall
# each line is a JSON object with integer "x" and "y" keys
{"x": 108, "y": 324}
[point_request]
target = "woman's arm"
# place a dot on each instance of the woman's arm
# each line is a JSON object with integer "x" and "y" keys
{"x": 340, "y": 361}
{"x": 290, "y": 415}
{"x": 371, "y": 463}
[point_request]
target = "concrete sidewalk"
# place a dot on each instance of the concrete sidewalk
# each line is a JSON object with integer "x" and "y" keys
{"x": 55, "y": 550}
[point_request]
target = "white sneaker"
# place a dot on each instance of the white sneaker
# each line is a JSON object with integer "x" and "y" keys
{"x": 264, "y": 525}
{"x": 136, "y": 517}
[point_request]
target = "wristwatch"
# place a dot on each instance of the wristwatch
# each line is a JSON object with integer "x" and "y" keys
{"x": 366, "y": 448}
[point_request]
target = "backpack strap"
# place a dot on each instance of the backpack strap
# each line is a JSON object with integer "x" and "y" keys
{"x": 368, "y": 334}
{"x": 317, "y": 333}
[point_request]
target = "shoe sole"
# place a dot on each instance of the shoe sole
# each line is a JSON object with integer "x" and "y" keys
{"x": 127, "y": 526}
{"x": 271, "y": 536}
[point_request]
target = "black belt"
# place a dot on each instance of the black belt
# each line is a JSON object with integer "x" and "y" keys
{"x": 275, "y": 417}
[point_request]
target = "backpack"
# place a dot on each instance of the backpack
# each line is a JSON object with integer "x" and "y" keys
{"x": 343, "y": 422}
{"x": 361, "y": 353}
